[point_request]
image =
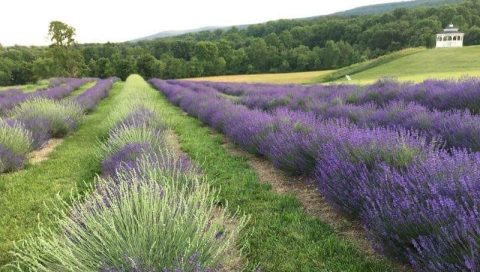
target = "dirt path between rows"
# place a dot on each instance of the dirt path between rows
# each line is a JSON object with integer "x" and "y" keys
{"x": 41, "y": 154}
{"x": 313, "y": 203}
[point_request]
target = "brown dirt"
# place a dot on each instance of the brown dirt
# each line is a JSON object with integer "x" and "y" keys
{"x": 313, "y": 203}
{"x": 41, "y": 154}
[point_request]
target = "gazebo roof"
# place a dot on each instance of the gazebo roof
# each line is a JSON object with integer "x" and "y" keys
{"x": 450, "y": 29}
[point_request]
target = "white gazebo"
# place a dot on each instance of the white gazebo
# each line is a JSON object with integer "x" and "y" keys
{"x": 450, "y": 37}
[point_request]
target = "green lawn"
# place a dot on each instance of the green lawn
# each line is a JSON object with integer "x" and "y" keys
{"x": 281, "y": 237}
{"x": 440, "y": 63}
{"x": 23, "y": 193}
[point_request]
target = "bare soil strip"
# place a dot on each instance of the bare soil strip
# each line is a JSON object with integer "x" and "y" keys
{"x": 41, "y": 154}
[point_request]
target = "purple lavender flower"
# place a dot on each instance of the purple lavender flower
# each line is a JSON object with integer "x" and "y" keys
{"x": 10, "y": 161}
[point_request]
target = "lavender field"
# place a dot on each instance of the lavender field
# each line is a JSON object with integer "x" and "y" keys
{"x": 402, "y": 158}
{"x": 176, "y": 175}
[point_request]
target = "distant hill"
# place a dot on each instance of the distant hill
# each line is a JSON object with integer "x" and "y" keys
{"x": 365, "y": 10}
{"x": 165, "y": 34}
{"x": 382, "y": 8}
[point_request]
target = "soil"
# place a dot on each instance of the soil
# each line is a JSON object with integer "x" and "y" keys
{"x": 41, "y": 154}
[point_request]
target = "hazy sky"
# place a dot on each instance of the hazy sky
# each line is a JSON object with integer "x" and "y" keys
{"x": 25, "y": 22}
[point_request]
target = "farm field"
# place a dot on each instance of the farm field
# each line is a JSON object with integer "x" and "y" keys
{"x": 414, "y": 64}
{"x": 363, "y": 167}
{"x": 28, "y": 87}
{"x": 24, "y": 193}
{"x": 155, "y": 136}
{"x": 439, "y": 63}
{"x": 284, "y": 176}
{"x": 279, "y": 78}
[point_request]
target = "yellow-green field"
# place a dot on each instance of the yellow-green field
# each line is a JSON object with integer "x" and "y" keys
{"x": 407, "y": 65}
{"x": 441, "y": 63}
{"x": 281, "y": 78}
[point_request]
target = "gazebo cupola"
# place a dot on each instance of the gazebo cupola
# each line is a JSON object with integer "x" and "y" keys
{"x": 450, "y": 37}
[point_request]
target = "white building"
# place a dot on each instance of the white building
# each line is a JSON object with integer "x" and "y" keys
{"x": 450, "y": 37}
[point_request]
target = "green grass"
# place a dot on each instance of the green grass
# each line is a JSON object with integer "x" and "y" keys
{"x": 363, "y": 66}
{"x": 413, "y": 64}
{"x": 281, "y": 237}
{"x": 440, "y": 63}
{"x": 23, "y": 193}
{"x": 279, "y": 78}
{"x": 83, "y": 88}
{"x": 29, "y": 87}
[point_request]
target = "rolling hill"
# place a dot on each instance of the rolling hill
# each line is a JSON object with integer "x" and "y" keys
{"x": 408, "y": 65}
{"x": 440, "y": 63}
{"x": 382, "y": 8}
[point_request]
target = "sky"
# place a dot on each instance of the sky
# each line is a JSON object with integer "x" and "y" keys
{"x": 25, "y": 22}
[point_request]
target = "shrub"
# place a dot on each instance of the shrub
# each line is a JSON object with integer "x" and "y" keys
{"x": 62, "y": 118}
{"x": 134, "y": 223}
{"x": 123, "y": 135}
{"x": 15, "y": 143}
{"x": 15, "y": 137}
{"x": 428, "y": 214}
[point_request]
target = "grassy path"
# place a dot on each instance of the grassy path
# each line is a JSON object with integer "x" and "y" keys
{"x": 23, "y": 193}
{"x": 83, "y": 88}
{"x": 281, "y": 236}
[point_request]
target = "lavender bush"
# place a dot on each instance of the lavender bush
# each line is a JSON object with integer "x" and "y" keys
{"x": 90, "y": 98}
{"x": 15, "y": 143}
{"x": 148, "y": 224}
{"x": 455, "y": 128}
{"x": 62, "y": 117}
{"x": 8, "y": 102}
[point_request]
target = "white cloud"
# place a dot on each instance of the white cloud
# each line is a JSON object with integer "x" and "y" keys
{"x": 26, "y": 22}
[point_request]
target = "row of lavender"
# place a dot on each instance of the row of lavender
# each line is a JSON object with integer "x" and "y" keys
{"x": 418, "y": 203}
{"x": 35, "y": 120}
{"x": 443, "y": 95}
{"x": 456, "y": 128}
{"x": 53, "y": 82}
{"x": 59, "y": 89}
{"x": 149, "y": 211}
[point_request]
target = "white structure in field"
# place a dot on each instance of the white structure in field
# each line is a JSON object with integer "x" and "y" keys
{"x": 450, "y": 37}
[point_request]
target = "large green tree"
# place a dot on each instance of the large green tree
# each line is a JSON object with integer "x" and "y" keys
{"x": 67, "y": 58}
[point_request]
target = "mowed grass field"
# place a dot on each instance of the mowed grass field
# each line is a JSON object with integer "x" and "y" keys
{"x": 439, "y": 63}
{"x": 408, "y": 65}
{"x": 280, "y": 78}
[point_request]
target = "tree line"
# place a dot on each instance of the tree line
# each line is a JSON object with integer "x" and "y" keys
{"x": 320, "y": 43}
